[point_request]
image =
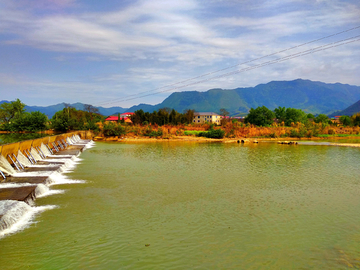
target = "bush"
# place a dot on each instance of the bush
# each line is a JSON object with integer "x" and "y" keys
{"x": 212, "y": 133}
{"x": 112, "y": 129}
{"x": 153, "y": 133}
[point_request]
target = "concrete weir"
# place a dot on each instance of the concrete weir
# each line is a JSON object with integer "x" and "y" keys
{"x": 28, "y": 167}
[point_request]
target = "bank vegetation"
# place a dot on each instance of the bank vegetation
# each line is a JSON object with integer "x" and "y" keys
{"x": 167, "y": 123}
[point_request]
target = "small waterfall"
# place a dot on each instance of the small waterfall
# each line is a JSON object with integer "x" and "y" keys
{"x": 5, "y": 166}
{"x": 23, "y": 160}
{"x": 17, "y": 215}
{"x": 35, "y": 154}
{"x": 45, "y": 150}
{"x": 90, "y": 144}
{"x": 12, "y": 212}
{"x": 41, "y": 190}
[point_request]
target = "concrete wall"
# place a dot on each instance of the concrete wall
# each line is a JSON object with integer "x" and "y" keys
{"x": 13, "y": 148}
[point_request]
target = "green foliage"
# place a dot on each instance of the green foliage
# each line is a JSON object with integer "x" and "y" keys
{"x": 310, "y": 116}
{"x": 212, "y": 133}
{"x": 295, "y": 116}
{"x": 261, "y": 116}
{"x": 34, "y": 121}
{"x": 280, "y": 114}
{"x": 113, "y": 129}
{"x": 153, "y": 133}
{"x": 356, "y": 119}
{"x": 161, "y": 117}
{"x": 11, "y": 111}
{"x": 14, "y": 118}
{"x": 345, "y": 120}
{"x": 321, "y": 118}
{"x": 192, "y": 132}
{"x": 72, "y": 119}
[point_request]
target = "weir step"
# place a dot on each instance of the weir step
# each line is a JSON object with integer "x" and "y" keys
{"x": 24, "y": 179}
{"x": 24, "y": 194}
{"x": 27, "y": 193}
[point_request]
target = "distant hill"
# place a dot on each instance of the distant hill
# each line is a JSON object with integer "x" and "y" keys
{"x": 351, "y": 110}
{"x": 312, "y": 97}
{"x": 51, "y": 110}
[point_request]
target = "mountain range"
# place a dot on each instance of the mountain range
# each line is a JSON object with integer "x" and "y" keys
{"x": 310, "y": 96}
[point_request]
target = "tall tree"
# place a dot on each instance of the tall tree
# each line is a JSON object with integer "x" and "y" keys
{"x": 10, "y": 111}
{"x": 261, "y": 116}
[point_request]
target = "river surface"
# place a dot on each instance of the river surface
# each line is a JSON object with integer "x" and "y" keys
{"x": 198, "y": 206}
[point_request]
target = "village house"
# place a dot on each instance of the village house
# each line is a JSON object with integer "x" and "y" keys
{"x": 209, "y": 117}
{"x": 124, "y": 116}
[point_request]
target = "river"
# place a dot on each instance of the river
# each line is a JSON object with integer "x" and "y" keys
{"x": 198, "y": 206}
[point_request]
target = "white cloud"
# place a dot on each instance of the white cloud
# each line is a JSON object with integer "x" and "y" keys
{"x": 157, "y": 43}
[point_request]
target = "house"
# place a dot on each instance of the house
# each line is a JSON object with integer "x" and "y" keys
{"x": 115, "y": 119}
{"x": 209, "y": 117}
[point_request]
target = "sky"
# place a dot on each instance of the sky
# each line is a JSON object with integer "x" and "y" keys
{"x": 123, "y": 53}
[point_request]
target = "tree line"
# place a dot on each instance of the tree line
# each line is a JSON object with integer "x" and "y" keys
{"x": 13, "y": 117}
{"x": 162, "y": 117}
{"x": 262, "y": 116}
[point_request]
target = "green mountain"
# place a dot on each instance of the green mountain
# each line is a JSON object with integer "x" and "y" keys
{"x": 351, "y": 110}
{"x": 310, "y": 96}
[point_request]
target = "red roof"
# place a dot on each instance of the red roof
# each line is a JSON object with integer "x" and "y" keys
{"x": 112, "y": 118}
{"x": 115, "y": 118}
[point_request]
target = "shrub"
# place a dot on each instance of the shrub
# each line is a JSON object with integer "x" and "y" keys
{"x": 112, "y": 129}
{"x": 212, "y": 133}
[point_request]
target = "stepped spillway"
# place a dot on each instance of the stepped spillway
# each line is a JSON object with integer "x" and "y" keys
{"x": 28, "y": 174}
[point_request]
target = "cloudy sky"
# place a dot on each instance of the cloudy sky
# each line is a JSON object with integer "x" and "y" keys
{"x": 120, "y": 53}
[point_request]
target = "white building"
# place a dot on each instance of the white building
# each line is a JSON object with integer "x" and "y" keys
{"x": 210, "y": 117}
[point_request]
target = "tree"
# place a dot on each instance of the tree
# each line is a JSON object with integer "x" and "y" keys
{"x": 34, "y": 121}
{"x": 321, "y": 118}
{"x": 356, "y": 119}
{"x": 189, "y": 115}
{"x": 345, "y": 120}
{"x": 224, "y": 113}
{"x": 280, "y": 114}
{"x": 310, "y": 116}
{"x": 10, "y": 111}
{"x": 90, "y": 109}
{"x": 261, "y": 116}
{"x": 295, "y": 116}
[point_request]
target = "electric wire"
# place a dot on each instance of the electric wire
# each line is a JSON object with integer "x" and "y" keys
{"x": 154, "y": 91}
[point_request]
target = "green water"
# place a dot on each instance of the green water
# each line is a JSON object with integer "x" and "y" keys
{"x": 199, "y": 206}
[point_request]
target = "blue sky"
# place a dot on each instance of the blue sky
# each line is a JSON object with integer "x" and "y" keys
{"x": 115, "y": 53}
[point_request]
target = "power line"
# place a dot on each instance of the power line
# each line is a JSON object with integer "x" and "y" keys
{"x": 153, "y": 91}
{"x": 282, "y": 59}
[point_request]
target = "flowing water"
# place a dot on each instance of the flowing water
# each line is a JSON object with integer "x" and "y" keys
{"x": 198, "y": 206}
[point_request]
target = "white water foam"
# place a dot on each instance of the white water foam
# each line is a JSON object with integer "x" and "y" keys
{"x": 17, "y": 216}
{"x": 44, "y": 191}
{"x": 60, "y": 179}
{"x": 89, "y": 145}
